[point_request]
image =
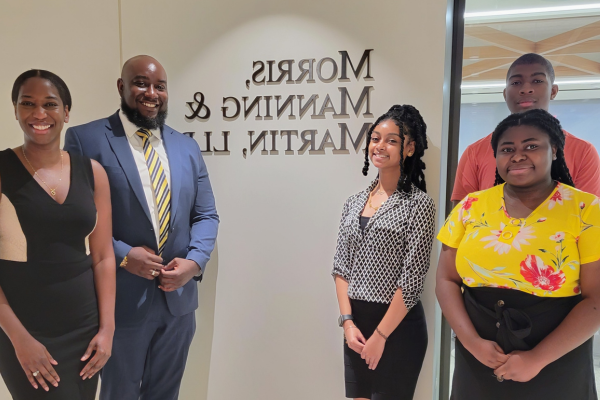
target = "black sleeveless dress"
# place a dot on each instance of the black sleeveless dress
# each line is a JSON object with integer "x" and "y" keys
{"x": 46, "y": 275}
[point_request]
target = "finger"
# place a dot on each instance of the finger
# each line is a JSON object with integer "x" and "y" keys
{"x": 171, "y": 264}
{"x": 100, "y": 362}
{"x": 88, "y": 351}
{"x": 51, "y": 371}
{"x": 40, "y": 379}
{"x": 376, "y": 362}
{"x": 45, "y": 371}
{"x": 149, "y": 273}
{"x": 372, "y": 364}
{"x": 361, "y": 338}
{"x": 154, "y": 273}
{"x": 497, "y": 347}
{"x": 503, "y": 358}
{"x": 500, "y": 371}
{"x": 51, "y": 359}
{"x": 31, "y": 379}
{"x": 154, "y": 258}
{"x": 168, "y": 273}
{"x": 148, "y": 249}
{"x": 90, "y": 368}
{"x": 154, "y": 265}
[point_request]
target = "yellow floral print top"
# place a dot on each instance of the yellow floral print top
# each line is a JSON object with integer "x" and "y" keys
{"x": 541, "y": 254}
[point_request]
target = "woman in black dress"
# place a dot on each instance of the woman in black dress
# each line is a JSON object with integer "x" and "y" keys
{"x": 382, "y": 257}
{"x": 57, "y": 266}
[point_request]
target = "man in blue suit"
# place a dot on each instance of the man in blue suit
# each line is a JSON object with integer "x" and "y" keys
{"x": 164, "y": 230}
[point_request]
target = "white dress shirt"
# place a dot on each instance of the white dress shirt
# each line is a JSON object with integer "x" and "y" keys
{"x": 135, "y": 142}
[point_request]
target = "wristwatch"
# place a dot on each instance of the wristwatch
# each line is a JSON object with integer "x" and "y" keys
{"x": 344, "y": 318}
{"x": 124, "y": 262}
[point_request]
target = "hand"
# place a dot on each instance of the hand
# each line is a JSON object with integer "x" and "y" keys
{"x": 141, "y": 261}
{"x": 33, "y": 356}
{"x": 488, "y": 353}
{"x": 177, "y": 273}
{"x": 354, "y": 337}
{"x": 102, "y": 345}
{"x": 522, "y": 366}
{"x": 373, "y": 350}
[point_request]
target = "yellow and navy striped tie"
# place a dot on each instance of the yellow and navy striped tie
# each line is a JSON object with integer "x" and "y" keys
{"x": 160, "y": 185}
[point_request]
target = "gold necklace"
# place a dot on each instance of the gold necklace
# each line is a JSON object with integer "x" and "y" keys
{"x": 52, "y": 191}
{"x": 371, "y": 205}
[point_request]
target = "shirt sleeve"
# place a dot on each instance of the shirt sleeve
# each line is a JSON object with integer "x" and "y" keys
{"x": 466, "y": 180}
{"x": 453, "y": 230}
{"x": 342, "y": 260}
{"x": 588, "y": 243}
{"x": 417, "y": 252}
{"x": 588, "y": 175}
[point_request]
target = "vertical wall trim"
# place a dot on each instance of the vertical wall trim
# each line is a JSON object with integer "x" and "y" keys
{"x": 449, "y": 164}
{"x": 120, "y": 37}
{"x": 438, "y": 360}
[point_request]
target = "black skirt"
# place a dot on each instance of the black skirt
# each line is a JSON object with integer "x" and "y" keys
{"x": 398, "y": 370}
{"x": 519, "y": 321}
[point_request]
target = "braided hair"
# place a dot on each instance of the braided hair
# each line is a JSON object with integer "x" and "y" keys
{"x": 546, "y": 123}
{"x": 411, "y": 124}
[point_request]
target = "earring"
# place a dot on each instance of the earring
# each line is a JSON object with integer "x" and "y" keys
{"x": 554, "y": 157}
{"x": 410, "y": 154}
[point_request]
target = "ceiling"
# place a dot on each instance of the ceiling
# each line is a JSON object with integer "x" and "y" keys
{"x": 494, "y": 5}
{"x": 571, "y": 43}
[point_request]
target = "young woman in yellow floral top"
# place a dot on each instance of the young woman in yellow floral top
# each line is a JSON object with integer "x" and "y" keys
{"x": 525, "y": 253}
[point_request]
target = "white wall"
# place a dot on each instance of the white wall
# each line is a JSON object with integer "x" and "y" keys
{"x": 267, "y": 320}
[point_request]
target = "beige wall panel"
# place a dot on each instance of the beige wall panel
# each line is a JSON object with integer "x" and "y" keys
{"x": 76, "y": 39}
{"x": 267, "y": 320}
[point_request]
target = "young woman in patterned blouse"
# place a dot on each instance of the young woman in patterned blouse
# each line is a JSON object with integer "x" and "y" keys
{"x": 382, "y": 257}
{"x": 525, "y": 254}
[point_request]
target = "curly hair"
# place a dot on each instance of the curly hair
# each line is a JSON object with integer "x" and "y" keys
{"x": 546, "y": 123}
{"x": 411, "y": 124}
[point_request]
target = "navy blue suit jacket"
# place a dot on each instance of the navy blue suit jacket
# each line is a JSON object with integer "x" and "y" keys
{"x": 194, "y": 219}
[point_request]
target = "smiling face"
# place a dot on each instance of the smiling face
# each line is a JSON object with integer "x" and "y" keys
{"x": 384, "y": 148}
{"x": 528, "y": 86}
{"x": 40, "y": 111}
{"x": 143, "y": 90}
{"x": 524, "y": 156}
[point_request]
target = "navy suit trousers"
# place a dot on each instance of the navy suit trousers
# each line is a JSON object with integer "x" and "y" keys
{"x": 153, "y": 352}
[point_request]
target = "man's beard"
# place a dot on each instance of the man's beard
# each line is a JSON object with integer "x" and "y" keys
{"x": 134, "y": 116}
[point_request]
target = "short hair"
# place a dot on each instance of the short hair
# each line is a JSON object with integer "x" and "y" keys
{"x": 59, "y": 84}
{"x": 533, "y": 58}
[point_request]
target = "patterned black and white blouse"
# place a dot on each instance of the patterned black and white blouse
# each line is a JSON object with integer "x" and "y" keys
{"x": 391, "y": 252}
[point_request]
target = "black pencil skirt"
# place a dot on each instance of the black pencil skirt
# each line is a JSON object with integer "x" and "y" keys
{"x": 396, "y": 375}
{"x": 519, "y": 321}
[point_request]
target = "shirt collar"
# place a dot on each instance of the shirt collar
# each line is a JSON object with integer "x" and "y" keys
{"x": 131, "y": 129}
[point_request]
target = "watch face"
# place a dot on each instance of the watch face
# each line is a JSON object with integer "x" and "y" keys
{"x": 340, "y": 320}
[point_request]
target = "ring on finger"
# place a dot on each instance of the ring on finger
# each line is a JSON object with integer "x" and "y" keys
{"x": 153, "y": 272}
{"x": 500, "y": 378}
{"x": 35, "y": 373}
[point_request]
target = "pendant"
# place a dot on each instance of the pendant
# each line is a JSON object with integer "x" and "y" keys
{"x": 53, "y": 192}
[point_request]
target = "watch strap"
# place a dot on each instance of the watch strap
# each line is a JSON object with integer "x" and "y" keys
{"x": 343, "y": 318}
